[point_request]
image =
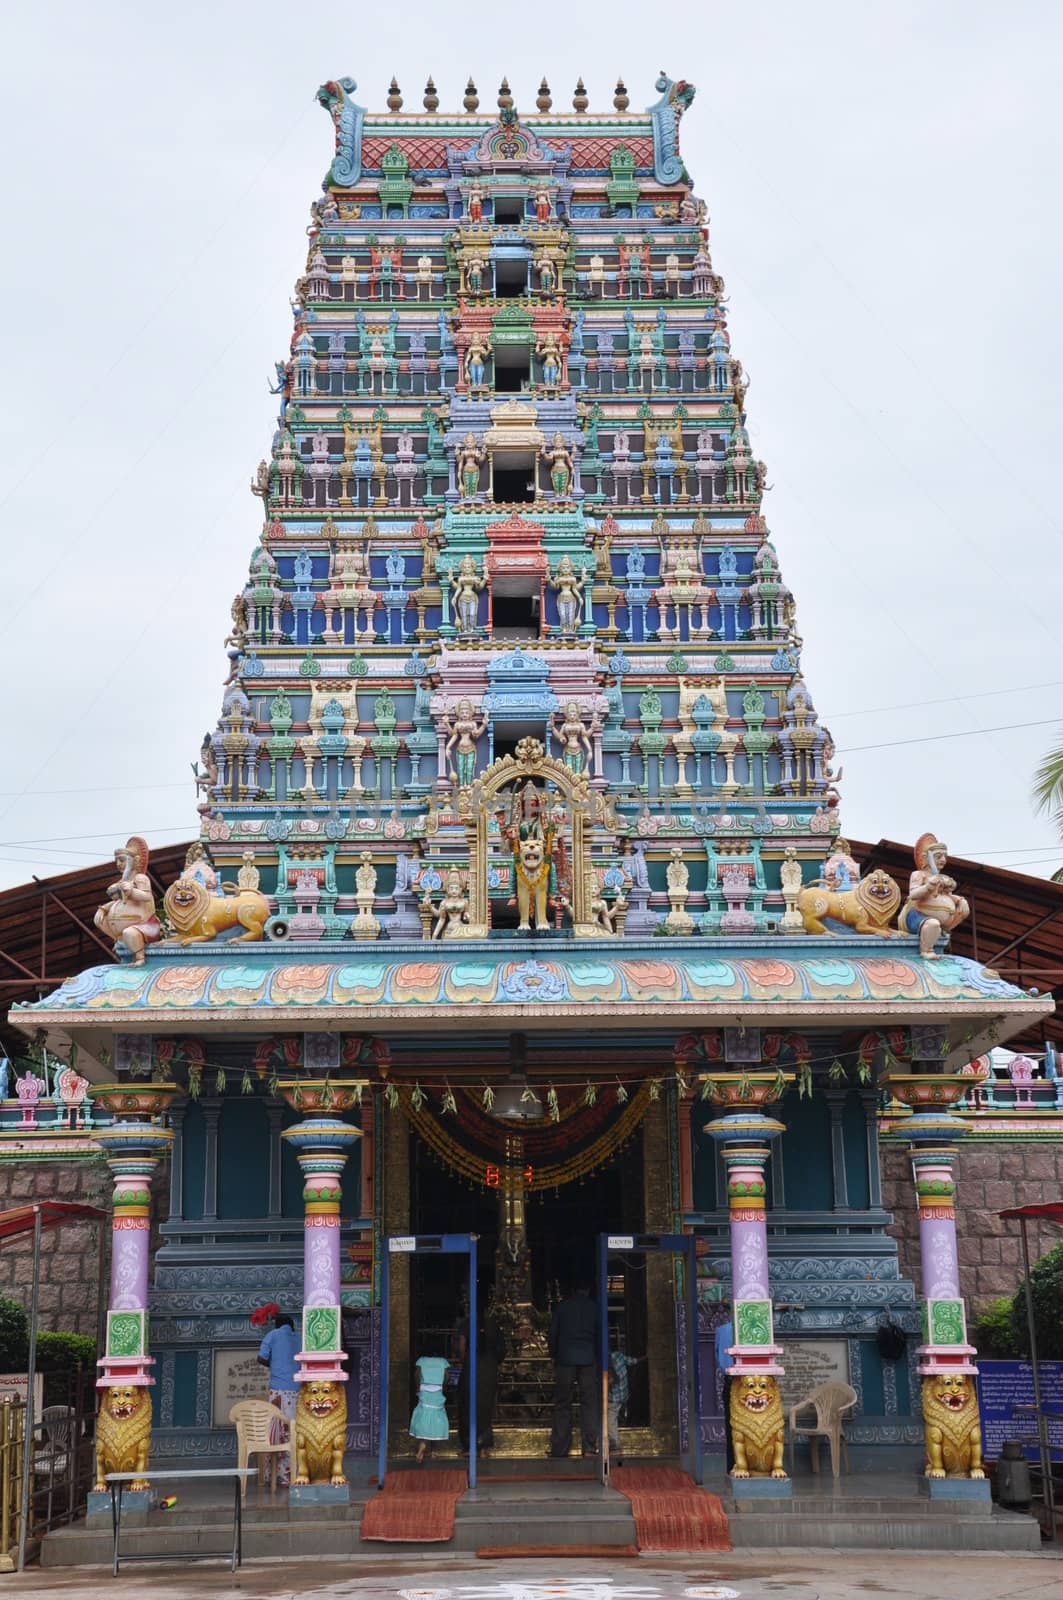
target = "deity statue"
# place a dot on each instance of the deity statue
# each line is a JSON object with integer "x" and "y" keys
{"x": 452, "y": 914}
{"x": 476, "y": 201}
{"x": 542, "y": 205}
{"x": 678, "y": 921}
{"x": 840, "y": 870}
{"x": 549, "y": 350}
{"x": 467, "y": 587}
{"x": 129, "y": 916}
{"x": 547, "y": 271}
{"x": 569, "y": 603}
{"x": 365, "y": 926}
{"x": 198, "y": 865}
{"x": 932, "y": 907}
{"x": 476, "y": 363}
{"x": 572, "y": 737}
{"x": 470, "y": 457}
{"x": 475, "y": 267}
{"x": 464, "y": 732}
{"x": 560, "y": 459}
{"x": 532, "y": 845}
{"x": 790, "y": 883}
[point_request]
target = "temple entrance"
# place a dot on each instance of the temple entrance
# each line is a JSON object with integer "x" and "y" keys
{"x": 561, "y": 1227}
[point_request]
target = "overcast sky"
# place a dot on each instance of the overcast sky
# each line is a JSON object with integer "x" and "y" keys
{"x": 883, "y": 184}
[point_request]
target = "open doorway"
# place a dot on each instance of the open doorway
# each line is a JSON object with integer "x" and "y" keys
{"x": 515, "y": 608}
{"x": 512, "y": 368}
{"x": 511, "y": 277}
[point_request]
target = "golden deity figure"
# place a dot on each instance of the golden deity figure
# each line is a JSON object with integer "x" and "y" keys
{"x": 123, "y": 1434}
{"x": 320, "y": 1432}
{"x": 757, "y": 1428}
{"x": 952, "y": 1426}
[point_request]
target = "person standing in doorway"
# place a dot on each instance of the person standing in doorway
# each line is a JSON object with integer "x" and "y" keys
{"x": 571, "y": 1343}
{"x": 724, "y": 1339}
{"x": 429, "y": 1421}
{"x": 278, "y": 1352}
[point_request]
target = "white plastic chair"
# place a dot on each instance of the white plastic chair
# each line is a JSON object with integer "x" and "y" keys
{"x": 830, "y": 1402}
{"x": 253, "y": 1421}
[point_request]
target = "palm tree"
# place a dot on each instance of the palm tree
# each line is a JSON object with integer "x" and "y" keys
{"x": 1048, "y": 792}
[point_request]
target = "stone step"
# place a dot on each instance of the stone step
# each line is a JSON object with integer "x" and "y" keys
{"x": 1002, "y": 1531}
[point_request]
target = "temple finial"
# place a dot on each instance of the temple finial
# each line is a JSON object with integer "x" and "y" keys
{"x": 472, "y": 99}
{"x": 431, "y": 99}
{"x": 394, "y": 96}
{"x": 544, "y": 99}
{"x": 580, "y": 101}
{"x": 505, "y": 99}
{"x": 620, "y": 98}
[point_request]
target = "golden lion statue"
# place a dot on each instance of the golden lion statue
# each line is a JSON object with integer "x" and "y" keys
{"x": 123, "y": 1434}
{"x": 755, "y": 1406}
{"x": 197, "y": 916}
{"x": 320, "y": 1432}
{"x": 869, "y": 908}
{"x": 953, "y": 1431}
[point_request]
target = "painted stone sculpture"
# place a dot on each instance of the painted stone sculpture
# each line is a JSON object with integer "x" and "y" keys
{"x": 756, "y": 1426}
{"x": 123, "y": 1434}
{"x": 953, "y": 1429}
{"x": 129, "y": 915}
{"x": 869, "y": 908}
{"x": 531, "y": 872}
{"x": 320, "y": 1433}
{"x": 197, "y": 916}
{"x": 932, "y": 907}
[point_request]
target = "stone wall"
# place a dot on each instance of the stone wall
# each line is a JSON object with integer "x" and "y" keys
{"x": 990, "y": 1176}
{"x": 69, "y": 1253}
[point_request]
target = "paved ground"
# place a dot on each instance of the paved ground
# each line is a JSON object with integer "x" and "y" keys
{"x": 801, "y": 1575}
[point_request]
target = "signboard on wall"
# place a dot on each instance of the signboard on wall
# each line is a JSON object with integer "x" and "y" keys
{"x": 16, "y": 1386}
{"x": 1004, "y": 1384}
{"x": 810, "y": 1362}
{"x": 237, "y": 1376}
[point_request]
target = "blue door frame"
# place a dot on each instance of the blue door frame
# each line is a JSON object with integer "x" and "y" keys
{"x": 413, "y": 1244}
{"x": 677, "y": 1244}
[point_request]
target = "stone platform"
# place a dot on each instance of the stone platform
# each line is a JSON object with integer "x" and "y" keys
{"x": 556, "y": 1504}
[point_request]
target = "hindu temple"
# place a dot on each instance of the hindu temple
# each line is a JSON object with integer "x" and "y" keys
{"x": 520, "y": 910}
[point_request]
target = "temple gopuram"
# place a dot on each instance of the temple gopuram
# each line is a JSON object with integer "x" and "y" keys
{"x": 520, "y": 910}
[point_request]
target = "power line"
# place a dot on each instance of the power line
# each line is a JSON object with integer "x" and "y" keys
{"x": 936, "y": 738}
{"x": 949, "y": 700}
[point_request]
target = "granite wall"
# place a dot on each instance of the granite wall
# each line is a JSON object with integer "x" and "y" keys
{"x": 991, "y": 1175}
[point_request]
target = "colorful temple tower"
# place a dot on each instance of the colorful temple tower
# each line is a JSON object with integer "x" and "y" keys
{"x": 520, "y": 907}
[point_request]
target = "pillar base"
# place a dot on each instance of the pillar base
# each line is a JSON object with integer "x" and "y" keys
{"x": 136, "y": 1503}
{"x": 762, "y": 1488}
{"x": 319, "y": 1494}
{"x": 976, "y": 1489}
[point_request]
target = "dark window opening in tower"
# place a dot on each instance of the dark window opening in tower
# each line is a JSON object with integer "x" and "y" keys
{"x": 515, "y": 616}
{"x": 508, "y": 208}
{"x": 512, "y": 368}
{"x": 513, "y": 485}
{"x": 511, "y": 279}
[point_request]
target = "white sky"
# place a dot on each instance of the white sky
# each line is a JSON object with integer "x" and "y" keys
{"x": 883, "y": 183}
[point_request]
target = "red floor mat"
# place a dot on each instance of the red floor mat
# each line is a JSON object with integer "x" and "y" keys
{"x": 414, "y": 1507}
{"x": 670, "y": 1511}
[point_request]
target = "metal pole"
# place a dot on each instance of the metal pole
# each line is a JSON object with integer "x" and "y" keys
{"x": 28, "y": 1432}
{"x": 603, "y": 1344}
{"x": 470, "y": 1355}
{"x": 382, "y": 1445}
{"x": 1042, "y": 1426}
{"x": 693, "y": 1357}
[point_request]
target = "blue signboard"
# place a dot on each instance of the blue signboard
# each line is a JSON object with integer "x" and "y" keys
{"x": 1002, "y": 1385}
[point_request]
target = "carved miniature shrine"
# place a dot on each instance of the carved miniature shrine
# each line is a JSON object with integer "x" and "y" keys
{"x": 520, "y": 907}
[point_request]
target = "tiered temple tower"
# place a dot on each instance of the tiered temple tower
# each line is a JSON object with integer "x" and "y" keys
{"x": 521, "y": 813}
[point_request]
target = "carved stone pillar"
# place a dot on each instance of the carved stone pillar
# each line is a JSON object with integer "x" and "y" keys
{"x": 322, "y": 1142}
{"x": 211, "y": 1118}
{"x": 133, "y": 1145}
{"x": 839, "y": 1178}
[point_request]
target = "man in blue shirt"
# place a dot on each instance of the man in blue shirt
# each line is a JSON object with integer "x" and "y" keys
{"x": 724, "y": 1362}
{"x": 277, "y": 1352}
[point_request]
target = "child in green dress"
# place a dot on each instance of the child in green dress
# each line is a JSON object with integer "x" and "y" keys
{"x": 429, "y": 1420}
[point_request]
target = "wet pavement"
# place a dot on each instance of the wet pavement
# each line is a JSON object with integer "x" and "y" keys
{"x": 778, "y": 1575}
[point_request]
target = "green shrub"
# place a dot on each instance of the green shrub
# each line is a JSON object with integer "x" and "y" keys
{"x": 58, "y": 1357}
{"x": 14, "y": 1336}
{"x": 1046, "y": 1284}
{"x": 993, "y": 1335}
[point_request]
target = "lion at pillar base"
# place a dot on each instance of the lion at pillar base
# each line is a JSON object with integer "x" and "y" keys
{"x": 953, "y": 1430}
{"x": 123, "y": 1434}
{"x": 320, "y": 1433}
{"x": 756, "y": 1426}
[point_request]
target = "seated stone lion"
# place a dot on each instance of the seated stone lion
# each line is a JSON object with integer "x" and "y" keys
{"x": 953, "y": 1430}
{"x": 868, "y": 908}
{"x": 197, "y": 916}
{"x": 320, "y": 1432}
{"x": 755, "y": 1409}
{"x": 123, "y": 1434}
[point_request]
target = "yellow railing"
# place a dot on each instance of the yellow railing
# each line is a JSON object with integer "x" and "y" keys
{"x": 12, "y": 1443}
